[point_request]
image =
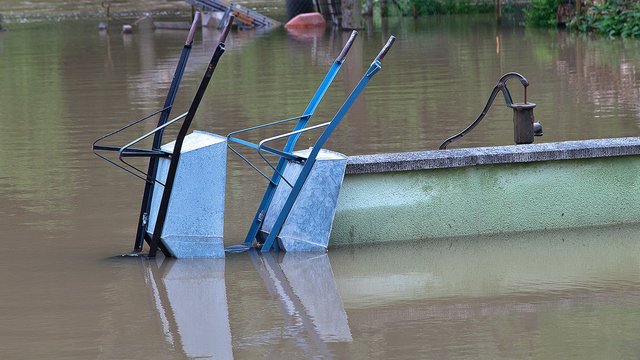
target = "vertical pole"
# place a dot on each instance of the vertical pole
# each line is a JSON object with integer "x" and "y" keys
{"x": 351, "y": 14}
{"x": 384, "y": 8}
{"x": 333, "y": 12}
{"x": 368, "y": 4}
{"x": 224, "y": 18}
{"x": 499, "y": 12}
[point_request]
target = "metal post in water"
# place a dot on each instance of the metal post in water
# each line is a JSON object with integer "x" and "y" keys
{"x": 351, "y": 15}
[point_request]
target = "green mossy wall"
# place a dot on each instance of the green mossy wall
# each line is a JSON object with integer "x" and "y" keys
{"x": 487, "y": 199}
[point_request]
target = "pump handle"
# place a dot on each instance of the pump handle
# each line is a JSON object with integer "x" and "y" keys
{"x": 192, "y": 31}
{"x": 347, "y": 46}
{"x": 386, "y": 48}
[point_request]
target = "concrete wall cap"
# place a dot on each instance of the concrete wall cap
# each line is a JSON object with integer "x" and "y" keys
{"x": 443, "y": 159}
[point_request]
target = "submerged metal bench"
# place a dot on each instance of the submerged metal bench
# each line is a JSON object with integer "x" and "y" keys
{"x": 179, "y": 221}
{"x": 184, "y": 216}
{"x": 298, "y": 206}
{"x": 195, "y": 215}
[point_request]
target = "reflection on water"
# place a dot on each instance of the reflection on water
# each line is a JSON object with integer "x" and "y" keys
{"x": 501, "y": 265}
{"x": 541, "y": 295}
{"x": 191, "y": 300}
{"x": 508, "y": 296}
{"x": 62, "y": 212}
{"x": 297, "y": 280}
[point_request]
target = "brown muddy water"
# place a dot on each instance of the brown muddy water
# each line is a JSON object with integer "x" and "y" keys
{"x": 65, "y": 215}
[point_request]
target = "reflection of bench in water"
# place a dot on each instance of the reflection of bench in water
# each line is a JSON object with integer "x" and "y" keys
{"x": 244, "y": 17}
{"x": 192, "y": 300}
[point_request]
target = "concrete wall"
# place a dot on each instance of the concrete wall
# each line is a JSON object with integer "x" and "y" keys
{"x": 471, "y": 196}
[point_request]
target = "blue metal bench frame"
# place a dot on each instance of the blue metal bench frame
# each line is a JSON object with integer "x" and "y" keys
{"x": 287, "y": 152}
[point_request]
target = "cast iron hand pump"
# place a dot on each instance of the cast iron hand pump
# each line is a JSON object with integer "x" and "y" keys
{"x": 524, "y": 125}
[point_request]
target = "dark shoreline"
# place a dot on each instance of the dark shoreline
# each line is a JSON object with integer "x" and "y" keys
{"x": 123, "y": 12}
{"x": 28, "y": 18}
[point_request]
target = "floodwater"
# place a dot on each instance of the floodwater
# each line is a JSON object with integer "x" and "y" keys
{"x": 65, "y": 215}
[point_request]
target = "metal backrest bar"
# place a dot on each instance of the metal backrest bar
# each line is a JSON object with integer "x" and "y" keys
{"x": 283, "y": 155}
{"x": 125, "y": 151}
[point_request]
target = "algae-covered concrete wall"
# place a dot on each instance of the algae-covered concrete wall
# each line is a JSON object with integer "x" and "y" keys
{"x": 487, "y": 199}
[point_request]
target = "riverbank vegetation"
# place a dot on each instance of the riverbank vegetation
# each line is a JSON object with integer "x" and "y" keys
{"x": 542, "y": 13}
{"x": 447, "y": 7}
{"x": 608, "y": 17}
{"x": 417, "y": 8}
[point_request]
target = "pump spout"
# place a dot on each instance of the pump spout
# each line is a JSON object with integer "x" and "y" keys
{"x": 537, "y": 129}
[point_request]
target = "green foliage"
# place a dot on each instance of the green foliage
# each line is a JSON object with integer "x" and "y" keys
{"x": 444, "y": 7}
{"x": 428, "y": 7}
{"x": 611, "y": 17}
{"x": 542, "y": 13}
